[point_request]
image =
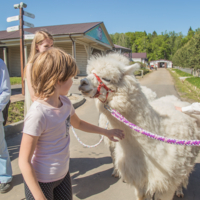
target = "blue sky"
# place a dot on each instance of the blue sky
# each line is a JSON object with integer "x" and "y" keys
{"x": 117, "y": 15}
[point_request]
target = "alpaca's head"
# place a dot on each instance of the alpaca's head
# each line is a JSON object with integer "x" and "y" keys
{"x": 112, "y": 70}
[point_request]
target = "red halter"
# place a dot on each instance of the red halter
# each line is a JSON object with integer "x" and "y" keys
{"x": 101, "y": 84}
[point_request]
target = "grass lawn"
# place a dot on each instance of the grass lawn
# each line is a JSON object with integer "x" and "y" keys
{"x": 181, "y": 73}
{"x": 186, "y": 90}
{"x": 15, "y": 112}
{"x": 194, "y": 81}
{"x": 15, "y": 80}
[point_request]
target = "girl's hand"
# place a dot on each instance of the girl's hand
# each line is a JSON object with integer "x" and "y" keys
{"x": 114, "y": 133}
{"x": 178, "y": 108}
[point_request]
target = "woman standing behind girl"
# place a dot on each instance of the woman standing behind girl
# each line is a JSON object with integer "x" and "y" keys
{"x": 41, "y": 42}
{"x": 44, "y": 152}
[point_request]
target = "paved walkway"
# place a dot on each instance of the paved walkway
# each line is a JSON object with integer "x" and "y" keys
{"x": 16, "y": 93}
{"x": 91, "y": 168}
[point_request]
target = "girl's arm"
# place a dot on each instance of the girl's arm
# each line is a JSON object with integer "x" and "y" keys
{"x": 30, "y": 88}
{"x": 27, "y": 148}
{"x": 84, "y": 126}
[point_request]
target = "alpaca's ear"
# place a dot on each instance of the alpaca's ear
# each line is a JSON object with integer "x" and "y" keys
{"x": 131, "y": 69}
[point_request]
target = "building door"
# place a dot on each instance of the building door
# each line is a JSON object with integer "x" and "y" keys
{"x": 165, "y": 65}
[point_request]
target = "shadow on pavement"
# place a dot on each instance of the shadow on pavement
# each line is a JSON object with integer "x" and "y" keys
{"x": 193, "y": 189}
{"x": 14, "y": 152}
{"x": 13, "y": 145}
{"x": 83, "y": 165}
{"x": 17, "y": 180}
{"x": 90, "y": 185}
{"x": 16, "y": 91}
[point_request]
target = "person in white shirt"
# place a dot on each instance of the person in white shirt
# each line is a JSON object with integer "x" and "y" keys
{"x": 5, "y": 165}
{"x": 192, "y": 109}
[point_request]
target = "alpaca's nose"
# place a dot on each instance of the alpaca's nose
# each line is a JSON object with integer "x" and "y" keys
{"x": 83, "y": 82}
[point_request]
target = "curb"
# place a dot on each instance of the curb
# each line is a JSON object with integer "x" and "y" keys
{"x": 16, "y": 128}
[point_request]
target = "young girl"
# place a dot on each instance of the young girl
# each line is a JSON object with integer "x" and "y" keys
{"x": 44, "y": 151}
{"x": 41, "y": 42}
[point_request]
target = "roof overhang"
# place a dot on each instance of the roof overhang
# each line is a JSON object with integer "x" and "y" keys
{"x": 80, "y": 38}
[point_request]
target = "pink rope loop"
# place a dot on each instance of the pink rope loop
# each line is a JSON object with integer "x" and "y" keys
{"x": 122, "y": 119}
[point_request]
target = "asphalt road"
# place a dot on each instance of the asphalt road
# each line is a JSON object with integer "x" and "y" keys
{"x": 91, "y": 168}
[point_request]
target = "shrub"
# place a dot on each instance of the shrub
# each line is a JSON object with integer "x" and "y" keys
{"x": 142, "y": 65}
{"x": 139, "y": 73}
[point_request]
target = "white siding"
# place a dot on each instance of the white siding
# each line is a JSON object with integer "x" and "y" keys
{"x": 81, "y": 55}
{"x": 14, "y": 61}
{"x": 14, "y": 57}
{"x": 65, "y": 46}
{"x": 81, "y": 58}
{"x": 136, "y": 59}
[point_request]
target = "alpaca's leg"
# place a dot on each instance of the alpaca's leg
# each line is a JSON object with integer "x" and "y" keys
{"x": 112, "y": 150}
{"x": 103, "y": 123}
{"x": 141, "y": 194}
{"x": 179, "y": 191}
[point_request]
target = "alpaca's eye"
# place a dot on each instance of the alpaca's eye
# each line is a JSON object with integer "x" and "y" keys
{"x": 107, "y": 80}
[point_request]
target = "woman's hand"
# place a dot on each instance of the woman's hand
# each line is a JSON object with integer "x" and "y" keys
{"x": 114, "y": 133}
{"x": 178, "y": 108}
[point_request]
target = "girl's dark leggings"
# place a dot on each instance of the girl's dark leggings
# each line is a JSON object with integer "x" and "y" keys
{"x": 57, "y": 190}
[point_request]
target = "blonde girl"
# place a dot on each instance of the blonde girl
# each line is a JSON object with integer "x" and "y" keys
{"x": 44, "y": 152}
{"x": 41, "y": 42}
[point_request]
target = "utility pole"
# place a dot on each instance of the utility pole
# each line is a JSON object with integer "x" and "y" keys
{"x": 21, "y": 31}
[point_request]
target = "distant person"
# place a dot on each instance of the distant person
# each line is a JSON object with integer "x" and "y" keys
{"x": 5, "y": 165}
{"x": 44, "y": 152}
{"x": 41, "y": 42}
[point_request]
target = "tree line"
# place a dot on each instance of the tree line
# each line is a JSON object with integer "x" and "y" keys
{"x": 188, "y": 55}
{"x": 163, "y": 46}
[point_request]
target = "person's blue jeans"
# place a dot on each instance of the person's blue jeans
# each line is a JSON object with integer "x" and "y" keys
{"x": 5, "y": 165}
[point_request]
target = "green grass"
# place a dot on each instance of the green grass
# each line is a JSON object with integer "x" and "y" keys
{"x": 186, "y": 90}
{"x": 194, "y": 81}
{"x": 15, "y": 112}
{"x": 181, "y": 73}
{"x": 15, "y": 80}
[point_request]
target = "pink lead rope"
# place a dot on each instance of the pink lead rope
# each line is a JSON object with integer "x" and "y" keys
{"x": 118, "y": 116}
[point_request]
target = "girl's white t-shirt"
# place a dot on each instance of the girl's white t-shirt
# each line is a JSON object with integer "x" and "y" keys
{"x": 51, "y": 156}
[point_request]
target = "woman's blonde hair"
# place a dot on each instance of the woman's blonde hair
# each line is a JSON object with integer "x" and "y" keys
{"x": 49, "y": 68}
{"x": 40, "y": 36}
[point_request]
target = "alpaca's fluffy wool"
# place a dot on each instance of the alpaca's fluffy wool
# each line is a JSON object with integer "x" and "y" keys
{"x": 149, "y": 165}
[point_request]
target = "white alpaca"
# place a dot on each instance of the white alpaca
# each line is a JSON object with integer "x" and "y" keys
{"x": 150, "y": 95}
{"x": 149, "y": 165}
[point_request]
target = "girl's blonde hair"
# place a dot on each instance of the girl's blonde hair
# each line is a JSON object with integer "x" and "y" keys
{"x": 49, "y": 68}
{"x": 40, "y": 36}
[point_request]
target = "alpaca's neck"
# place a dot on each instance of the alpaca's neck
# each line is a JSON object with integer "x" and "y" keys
{"x": 131, "y": 102}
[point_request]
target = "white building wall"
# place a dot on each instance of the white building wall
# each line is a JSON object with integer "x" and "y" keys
{"x": 81, "y": 55}
{"x": 169, "y": 63}
{"x": 137, "y": 59}
{"x": 81, "y": 58}
{"x": 14, "y": 61}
